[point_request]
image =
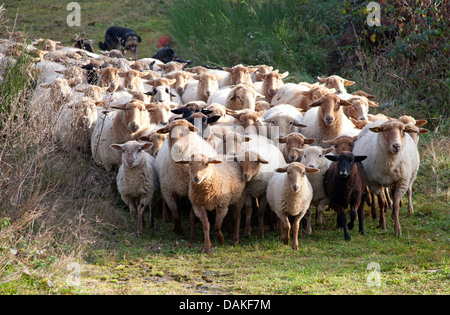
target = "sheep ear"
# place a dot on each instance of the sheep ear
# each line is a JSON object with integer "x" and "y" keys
{"x": 182, "y": 162}
{"x": 214, "y": 161}
{"x": 213, "y": 119}
{"x": 120, "y": 107}
{"x": 330, "y": 142}
{"x": 178, "y": 111}
{"x": 373, "y": 104}
{"x": 172, "y": 81}
{"x": 421, "y": 122}
{"x": 322, "y": 80}
{"x": 117, "y": 147}
{"x": 360, "y": 158}
{"x": 101, "y": 103}
{"x": 332, "y": 158}
{"x": 326, "y": 151}
{"x": 144, "y": 139}
{"x": 193, "y": 128}
{"x": 260, "y": 76}
{"x": 163, "y": 130}
{"x": 346, "y": 82}
{"x": 284, "y": 75}
{"x": 228, "y": 69}
{"x": 345, "y": 103}
{"x": 281, "y": 169}
{"x": 296, "y": 123}
{"x": 281, "y": 139}
{"x": 207, "y": 111}
{"x": 316, "y": 103}
{"x": 309, "y": 140}
{"x": 311, "y": 170}
{"x": 423, "y": 130}
{"x": 262, "y": 160}
{"x": 376, "y": 129}
{"x": 147, "y": 146}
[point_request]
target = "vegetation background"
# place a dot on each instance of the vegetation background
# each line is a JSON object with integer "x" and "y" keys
{"x": 63, "y": 230}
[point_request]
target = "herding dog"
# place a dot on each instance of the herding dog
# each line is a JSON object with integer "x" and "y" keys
{"x": 121, "y": 38}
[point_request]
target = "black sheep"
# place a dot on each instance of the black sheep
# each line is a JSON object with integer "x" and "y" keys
{"x": 345, "y": 185}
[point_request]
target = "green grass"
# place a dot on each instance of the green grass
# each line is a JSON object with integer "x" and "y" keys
{"x": 58, "y": 208}
{"x": 47, "y": 19}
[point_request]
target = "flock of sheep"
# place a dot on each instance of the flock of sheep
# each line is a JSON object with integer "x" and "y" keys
{"x": 229, "y": 139}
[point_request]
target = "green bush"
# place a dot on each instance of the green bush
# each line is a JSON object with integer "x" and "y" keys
{"x": 289, "y": 35}
{"x": 404, "y": 61}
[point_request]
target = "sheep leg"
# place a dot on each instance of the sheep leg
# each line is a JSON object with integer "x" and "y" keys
{"x": 237, "y": 225}
{"x": 130, "y": 203}
{"x": 396, "y": 191}
{"x": 382, "y": 205}
{"x": 286, "y": 228}
{"x": 165, "y": 214}
{"x": 248, "y": 215}
{"x": 171, "y": 201}
{"x": 374, "y": 207}
{"x": 203, "y": 216}
{"x": 361, "y": 213}
{"x": 351, "y": 224}
{"x": 307, "y": 217}
{"x": 320, "y": 209}
{"x": 140, "y": 212}
{"x": 410, "y": 205}
{"x": 295, "y": 228}
{"x": 192, "y": 220}
{"x": 343, "y": 222}
{"x": 220, "y": 215}
{"x": 261, "y": 210}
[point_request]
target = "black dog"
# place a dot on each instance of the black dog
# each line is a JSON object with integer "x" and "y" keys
{"x": 167, "y": 54}
{"x": 85, "y": 44}
{"x": 121, "y": 38}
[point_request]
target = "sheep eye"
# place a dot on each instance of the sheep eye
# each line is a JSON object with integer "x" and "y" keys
{"x": 320, "y": 155}
{"x": 139, "y": 150}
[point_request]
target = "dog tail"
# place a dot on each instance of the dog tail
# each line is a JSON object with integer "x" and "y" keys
{"x": 102, "y": 46}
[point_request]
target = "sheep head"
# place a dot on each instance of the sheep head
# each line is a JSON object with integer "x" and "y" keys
{"x": 346, "y": 162}
{"x": 330, "y": 108}
{"x": 336, "y": 82}
{"x": 250, "y": 162}
{"x": 199, "y": 167}
{"x": 132, "y": 152}
{"x": 393, "y": 134}
{"x": 296, "y": 174}
{"x": 294, "y": 141}
{"x": 134, "y": 115}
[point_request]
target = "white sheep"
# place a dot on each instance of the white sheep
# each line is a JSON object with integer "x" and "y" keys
{"x": 392, "y": 161}
{"x": 241, "y": 96}
{"x": 326, "y": 120}
{"x": 289, "y": 193}
{"x": 74, "y": 124}
{"x": 201, "y": 88}
{"x": 137, "y": 181}
{"x": 314, "y": 157}
{"x": 181, "y": 143}
{"x": 281, "y": 120}
{"x": 285, "y": 93}
{"x": 119, "y": 126}
{"x": 257, "y": 159}
{"x": 215, "y": 185}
